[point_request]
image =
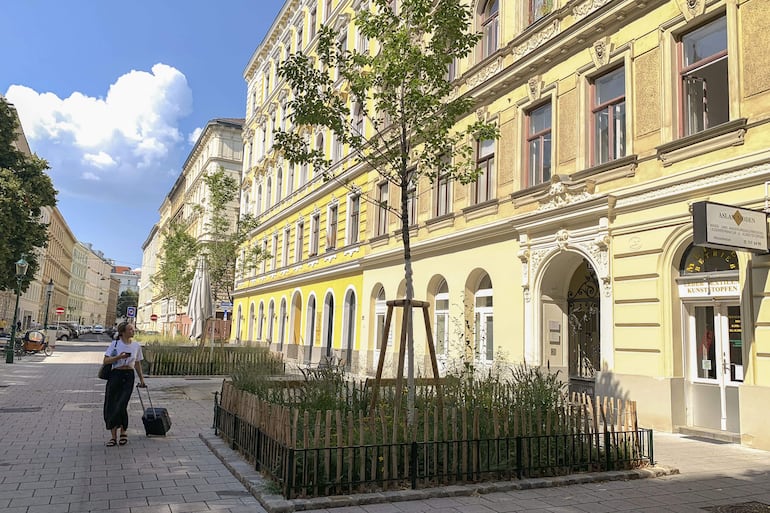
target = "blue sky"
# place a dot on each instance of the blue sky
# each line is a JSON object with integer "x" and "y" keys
{"x": 113, "y": 95}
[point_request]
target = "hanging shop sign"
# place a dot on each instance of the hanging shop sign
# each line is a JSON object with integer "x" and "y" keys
{"x": 727, "y": 227}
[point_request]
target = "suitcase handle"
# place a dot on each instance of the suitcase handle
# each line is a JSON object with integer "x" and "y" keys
{"x": 138, "y": 388}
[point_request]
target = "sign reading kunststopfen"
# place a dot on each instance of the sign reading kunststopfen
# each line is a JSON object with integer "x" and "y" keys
{"x": 727, "y": 227}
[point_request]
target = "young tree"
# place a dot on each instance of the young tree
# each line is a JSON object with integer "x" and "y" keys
{"x": 225, "y": 232}
{"x": 401, "y": 88}
{"x": 25, "y": 189}
{"x": 127, "y": 298}
{"x": 177, "y": 265}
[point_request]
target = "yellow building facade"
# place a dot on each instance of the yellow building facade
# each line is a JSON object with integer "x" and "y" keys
{"x": 574, "y": 249}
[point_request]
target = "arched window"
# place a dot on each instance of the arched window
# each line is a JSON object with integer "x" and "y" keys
{"x": 349, "y": 327}
{"x": 328, "y": 323}
{"x": 251, "y": 323}
{"x": 441, "y": 319}
{"x": 260, "y": 321}
{"x": 258, "y": 205}
{"x": 268, "y": 193}
{"x": 270, "y": 319}
{"x": 485, "y": 348}
{"x": 380, "y": 309}
{"x": 699, "y": 259}
{"x": 282, "y": 324}
{"x": 310, "y": 329}
{"x": 489, "y": 21}
{"x": 278, "y": 185}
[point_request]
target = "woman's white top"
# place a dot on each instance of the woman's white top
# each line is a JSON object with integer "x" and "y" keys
{"x": 118, "y": 346}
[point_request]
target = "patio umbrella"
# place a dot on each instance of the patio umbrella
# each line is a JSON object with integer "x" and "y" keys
{"x": 200, "y": 306}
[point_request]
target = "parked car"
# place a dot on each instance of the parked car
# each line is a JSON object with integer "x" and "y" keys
{"x": 98, "y": 329}
{"x": 62, "y": 331}
{"x": 73, "y": 329}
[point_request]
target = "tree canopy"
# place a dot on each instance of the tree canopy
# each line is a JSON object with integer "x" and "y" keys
{"x": 176, "y": 264}
{"x": 127, "y": 298}
{"x": 25, "y": 189}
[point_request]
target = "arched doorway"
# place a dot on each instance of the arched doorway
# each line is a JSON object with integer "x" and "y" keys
{"x": 349, "y": 327}
{"x": 570, "y": 334}
{"x": 709, "y": 292}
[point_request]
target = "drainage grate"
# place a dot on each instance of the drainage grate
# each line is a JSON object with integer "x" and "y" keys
{"x": 21, "y": 410}
{"x": 741, "y": 507}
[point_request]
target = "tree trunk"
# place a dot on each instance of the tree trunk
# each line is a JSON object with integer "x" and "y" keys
{"x": 409, "y": 325}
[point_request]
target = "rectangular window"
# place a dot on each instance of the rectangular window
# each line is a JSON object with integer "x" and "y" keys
{"x": 539, "y": 145}
{"x": 327, "y": 9}
{"x": 362, "y": 42}
{"x": 489, "y": 28}
{"x": 331, "y": 228}
{"x": 411, "y": 198}
{"x": 337, "y": 148}
{"x": 285, "y": 247}
{"x": 704, "y": 85}
{"x": 442, "y": 191}
{"x": 274, "y": 252}
{"x": 485, "y": 163}
{"x": 608, "y": 108}
{"x": 263, "y": 264}
{"x": 300, "y": 33}
{"x": 353, "y": 219}
{"x": 290, "y": 180}
{"x": 315, "y": 230}
{"x": 342, "y": 43}
{"x": 311, "y": 23}
{"x": 300, "y": 242}
{"x": 451, "y": 71}
{"x": 382, "y": 209}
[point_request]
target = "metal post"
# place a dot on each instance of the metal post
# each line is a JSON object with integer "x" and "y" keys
{"x": 413, "y": 464}
{"x": 48, "y": 292}
{"x": 12, "y": 342}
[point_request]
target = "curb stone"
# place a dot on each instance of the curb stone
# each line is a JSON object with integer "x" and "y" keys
{"x": 264, "y": 490}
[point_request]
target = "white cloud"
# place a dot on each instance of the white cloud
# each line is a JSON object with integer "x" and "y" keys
{"x": 194, "y": 135}
{"x": 123, "y": 140}
{"x": 100, "y": 160}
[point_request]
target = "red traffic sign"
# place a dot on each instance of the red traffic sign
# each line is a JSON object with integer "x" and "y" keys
{"x": 153, "y": 317}
{"x": 59, "y": 310}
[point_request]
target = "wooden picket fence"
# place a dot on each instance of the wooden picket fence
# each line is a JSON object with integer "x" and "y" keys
{"x": 163, "y": 360}
{"x": 313, "y": 453}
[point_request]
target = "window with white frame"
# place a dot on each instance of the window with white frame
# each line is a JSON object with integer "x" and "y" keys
{"x": 441, "y": 319}
{"x": 442, "y": 192}
{"x": 489, "y": 24}
{"x": 539, "y": 145}
{"x": 451, "y": 70}
{"x": 269, "y": 193}
{"x": 302, "y": 174}
{"x": 274, "y": 252}
{"x": 608, "y": 109}
{"x": 299, "y": 242}
{"x": 331, "y": 228}
{"x": 278, "y": 185}
{"x": 282, "y": 324}
{"x": 270, "y": 320}
{"x": 354, "y": 216}
{"x": 704, "y": 86}
{"x": 483, "y": 312}
{"x": 300, "y": 33}
{"x": 380, "y": 311}
{"x": 319, "y": 146}
{"x": 327, "y": 9}
{"x": 362, "y": 42}
{"x": 411, "y": 197}
{"x": 258, "y": 204}
{"x": 260, "y": 321}
{"x": 381, "y": 227}
{"x": 312, "y": 23}
{"x": 358, "y": 118}
{"x": 290, "y": 179}
{"x": 342, "y": 44}
{"x": 485, "y": 163}
{"x": 315, "y": 230}
{"x": 264, "y": 253}
{"x": 337, "y": 148}
{"x": 285, "y": 247}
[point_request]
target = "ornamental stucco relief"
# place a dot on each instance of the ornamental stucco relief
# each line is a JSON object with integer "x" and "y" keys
{"x": 485, "y": 73}
{"x": 582, "y": 10}
{"x": 691, "y": 8}
{"x": 563, "y": 192}
{"x": 537, "y": 39}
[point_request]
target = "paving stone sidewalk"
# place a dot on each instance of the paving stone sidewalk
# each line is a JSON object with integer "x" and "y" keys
{"x": 53, "y": 459}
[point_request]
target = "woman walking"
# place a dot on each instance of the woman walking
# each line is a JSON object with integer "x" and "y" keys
{"x": 125, "y": 355}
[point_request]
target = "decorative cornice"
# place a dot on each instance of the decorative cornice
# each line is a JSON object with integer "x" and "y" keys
{"x": 582, "y": 10}
{"x": 564, "y": 191}
{"x": 485, "y": 73}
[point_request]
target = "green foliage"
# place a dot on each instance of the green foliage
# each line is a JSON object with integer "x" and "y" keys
{"x": 177, "y": 264}
{"x": 183, "y": 359}
{"x": 127, "y": 298}
{"x": 401, "y": 88}
{"x": 25, "y": 189}
{"x": 226, "y": 233}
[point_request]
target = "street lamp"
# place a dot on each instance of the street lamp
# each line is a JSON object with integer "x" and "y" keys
{"x": 21, "y": 271}
{"x": 48, "y": 292}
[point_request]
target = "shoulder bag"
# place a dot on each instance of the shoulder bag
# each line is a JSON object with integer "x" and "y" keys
{"x": 106, "y": 368}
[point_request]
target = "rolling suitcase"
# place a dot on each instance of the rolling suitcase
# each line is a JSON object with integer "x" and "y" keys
{"x": 156, "y": 420}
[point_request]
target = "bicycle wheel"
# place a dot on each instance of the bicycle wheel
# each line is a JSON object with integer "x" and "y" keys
{"x": 47, "y": 350}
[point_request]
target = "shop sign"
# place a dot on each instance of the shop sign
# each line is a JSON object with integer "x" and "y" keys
{"x": 716, "y": 288}
{"x": 727, "y": 227}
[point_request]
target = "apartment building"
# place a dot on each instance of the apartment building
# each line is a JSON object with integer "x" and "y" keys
{"x": 219, "y": 147}
{"x": 574, "y": 250}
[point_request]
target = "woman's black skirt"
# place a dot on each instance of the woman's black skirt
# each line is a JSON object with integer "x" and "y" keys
{"x": 116, "y": 397}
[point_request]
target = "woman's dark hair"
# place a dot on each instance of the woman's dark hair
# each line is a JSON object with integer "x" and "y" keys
{"x": 122, "y": 328}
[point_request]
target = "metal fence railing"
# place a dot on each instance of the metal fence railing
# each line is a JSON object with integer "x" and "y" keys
{"x": 309, "y": 472}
